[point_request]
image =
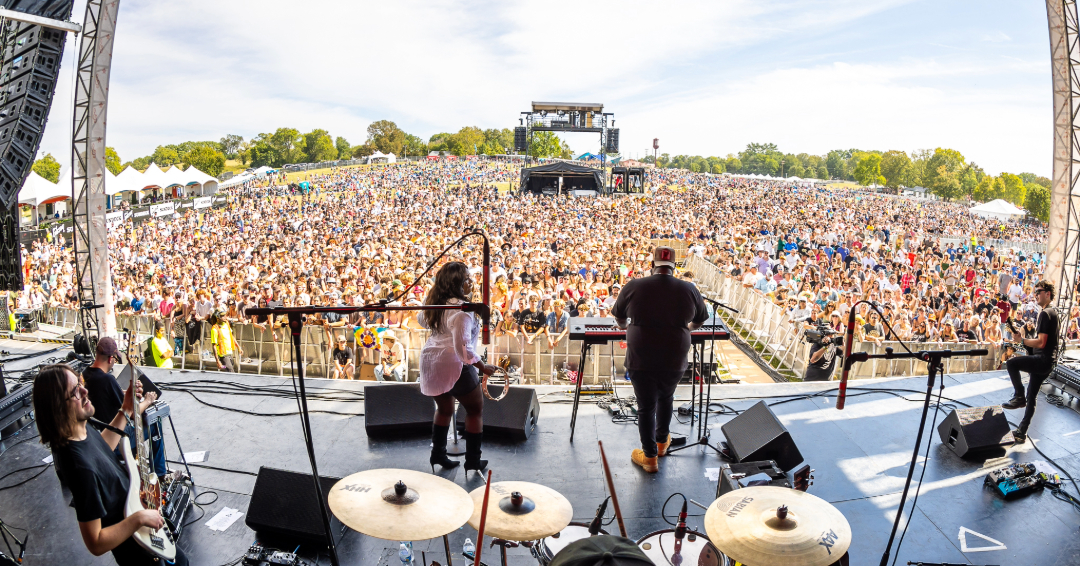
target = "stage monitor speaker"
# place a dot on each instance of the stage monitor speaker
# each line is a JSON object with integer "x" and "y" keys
{"x": 974, "y": 430}
{"x": 612, "y": 141}
{"x": 521, "y": 139}
{"x": 397, "y": 409}
{"x": 513, "y": 417}
{"x": 757, "y": 435}
{"x": 283, "y": 504}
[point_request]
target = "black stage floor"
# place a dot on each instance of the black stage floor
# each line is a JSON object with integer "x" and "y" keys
{"x": 860, "y": 454}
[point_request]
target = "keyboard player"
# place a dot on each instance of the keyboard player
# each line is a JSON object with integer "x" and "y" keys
{"x": 661, "y": 311}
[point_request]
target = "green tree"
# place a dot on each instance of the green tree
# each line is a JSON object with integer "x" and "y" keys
{"x": 951, "y": 159}
{"x": 894, "y": 166}
{"x": 414, "y": 145}
{"x": 1015, "y": 191}
{"x": 988, "y": 189}
{"x": 363, "y": 150}
{"x": 836, "y": 164}
{"x": 164, "y": 156}
{"x": 230, "y": 145}
{"x": 262, "y": 153}
{"x": 386, "y": 137}
{"x": 545, "y": 144}
{"x": 344, "y": 150}
{"x": 112, "y": 161}
{"x": 1037, "y": 201}
{"x": 205, "y": 159}
{"x": 1031, "y": 178}
{"x": 717, "y": 168}
{"x": 318, "y": 146}
{"x": 286, "y": 143}
{"x": 733, "y": 164}
{"x": 868, "y": 169}
{"x": 468, "y": 141}
{"x": 48, "y": 167}
{"x": 945, "y": 183}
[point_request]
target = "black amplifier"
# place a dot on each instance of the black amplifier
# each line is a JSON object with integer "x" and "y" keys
{"x": 735, "y": 476}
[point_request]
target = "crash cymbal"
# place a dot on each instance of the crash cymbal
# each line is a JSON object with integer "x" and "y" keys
{"x": 540, "y": 513}
{"x": 749, "y": 525}
{"x": 424, "y": 506}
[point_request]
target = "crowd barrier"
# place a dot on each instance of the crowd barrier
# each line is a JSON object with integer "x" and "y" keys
{"x": 1039, "y": 247}
{"x": 269, "y": 351}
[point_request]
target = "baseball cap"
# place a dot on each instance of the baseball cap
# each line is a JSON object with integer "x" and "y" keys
{"x": 663, "y": 255}
{"x": 107, "y": 347}
{"x": 601, "y": 550}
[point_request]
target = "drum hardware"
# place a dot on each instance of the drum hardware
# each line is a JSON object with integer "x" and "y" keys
{"x": 518, "y": 514}
{"x": 694, "y": 550}
{"x": 545, "y": 549}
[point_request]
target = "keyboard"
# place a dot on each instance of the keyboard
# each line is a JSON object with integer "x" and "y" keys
{"x": 604, "y": 330}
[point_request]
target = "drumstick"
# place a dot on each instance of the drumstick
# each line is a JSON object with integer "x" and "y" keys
{"x": 611, "y": 490}
{"x": 483, "y": 519}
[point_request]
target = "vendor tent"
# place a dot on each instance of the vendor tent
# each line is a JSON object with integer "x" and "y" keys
{"x": 999, "y": 209}
{"x": 560, "y": 176}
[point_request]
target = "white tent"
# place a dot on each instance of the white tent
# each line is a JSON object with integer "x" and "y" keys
{"x": 999, "y": 209}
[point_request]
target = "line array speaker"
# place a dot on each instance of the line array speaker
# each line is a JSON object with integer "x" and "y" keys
{"x": 513, "y": 417}
{"x": 521, "y": 141}
{"x": 612, "y": 141}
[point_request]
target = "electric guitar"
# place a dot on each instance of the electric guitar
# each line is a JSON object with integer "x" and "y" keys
{"x": 145, "y": 492}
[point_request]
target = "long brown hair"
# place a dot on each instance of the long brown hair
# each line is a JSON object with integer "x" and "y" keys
{"x": 51, "y": 409}
{"x": 449, "y": 284}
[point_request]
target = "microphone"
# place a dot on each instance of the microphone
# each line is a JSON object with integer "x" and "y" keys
{"x": 594, "y": 526}
{"x": 849, "y": 338}
{"x": 680, "y": 532}
{"x": 486, "y": 291}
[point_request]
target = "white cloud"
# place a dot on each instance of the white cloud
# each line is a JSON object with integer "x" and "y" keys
{"x": 996, "y": 37}
{"x": 690, "y": 74}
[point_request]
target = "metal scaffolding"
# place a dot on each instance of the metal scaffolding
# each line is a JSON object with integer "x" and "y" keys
{"x": 88, "y": 174}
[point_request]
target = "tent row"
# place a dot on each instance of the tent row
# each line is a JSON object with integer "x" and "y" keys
{"x": 42, "y": 198}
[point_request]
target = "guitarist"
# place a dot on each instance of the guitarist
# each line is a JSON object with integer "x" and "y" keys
{"x": 86, "y": 463}
{"x": 1043, "y": 351}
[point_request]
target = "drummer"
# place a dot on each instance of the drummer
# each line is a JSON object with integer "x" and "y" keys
{"x": 450, "y": 366}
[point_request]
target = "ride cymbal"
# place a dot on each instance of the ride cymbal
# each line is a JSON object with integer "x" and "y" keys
{"x": 777, "y": 526}
{"x": 421, "y": 507}
{"x": 540, "y": 512}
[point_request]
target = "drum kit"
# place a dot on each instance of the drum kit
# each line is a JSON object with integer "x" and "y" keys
{"x": 753, "y": 526}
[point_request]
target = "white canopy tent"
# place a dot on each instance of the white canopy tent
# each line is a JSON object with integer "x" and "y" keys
{"x": 44, "y": 197}
{"x": 999, "y": 209}
{"x": 132, "y": 185}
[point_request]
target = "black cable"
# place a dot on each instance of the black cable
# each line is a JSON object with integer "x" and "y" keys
{"x": 215, "y": 468}
{"x": 27, "y": 480}
{"x": 196, "y": 503}
{"x": 664, "y": 507}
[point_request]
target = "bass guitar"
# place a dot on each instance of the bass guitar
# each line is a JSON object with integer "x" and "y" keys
{"x": 145, "y": 490}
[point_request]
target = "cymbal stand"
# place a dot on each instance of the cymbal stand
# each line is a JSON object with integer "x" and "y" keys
{"x": 503, "y": 545}
{"x": 454, "y": 446}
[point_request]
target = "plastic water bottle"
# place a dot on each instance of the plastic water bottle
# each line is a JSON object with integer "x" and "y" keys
{"x": 469, "y": 547}
{"x": 405, "y": 554}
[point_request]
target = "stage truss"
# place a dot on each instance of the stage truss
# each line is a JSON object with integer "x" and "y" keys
{"x": 572, "y": 117}
{"x": 97, "y": 316}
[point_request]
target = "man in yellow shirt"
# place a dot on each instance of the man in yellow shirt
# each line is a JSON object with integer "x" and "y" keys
{"x": 223, "y": 342}
{"x": 161, "y": 347}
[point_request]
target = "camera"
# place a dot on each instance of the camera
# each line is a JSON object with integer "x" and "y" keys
{"x": 823, "y": 335}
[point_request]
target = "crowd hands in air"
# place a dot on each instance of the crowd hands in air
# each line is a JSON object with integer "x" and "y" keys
{"x": 361, "y": 235}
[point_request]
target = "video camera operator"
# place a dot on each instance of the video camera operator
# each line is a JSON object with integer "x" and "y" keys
{"x": 823, "y": 344}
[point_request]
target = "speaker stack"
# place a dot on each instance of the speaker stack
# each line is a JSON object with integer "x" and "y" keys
{"x": 513, "y": 418}
{"x": 397, "y": 409}
{"x": 613, "y": 140}
{"x": 521, "y": 141}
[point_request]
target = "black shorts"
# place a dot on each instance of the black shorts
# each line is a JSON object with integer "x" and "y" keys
{"x": 467, "y": 381}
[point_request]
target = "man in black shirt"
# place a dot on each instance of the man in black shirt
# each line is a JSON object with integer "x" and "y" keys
{"x": 662, "y": 311}
{"x": 86, "y": 464}
{"x": 1039, "y": 364}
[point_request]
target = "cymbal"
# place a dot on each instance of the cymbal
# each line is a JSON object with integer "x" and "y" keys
{"x": 541, "y": 512}
{"x": 427, "y": 507}
{"x": 748, "y": 526}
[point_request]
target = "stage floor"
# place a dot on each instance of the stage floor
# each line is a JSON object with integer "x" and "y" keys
{"x": 860, "y": 456}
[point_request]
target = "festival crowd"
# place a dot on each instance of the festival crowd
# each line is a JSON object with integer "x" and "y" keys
{"x": 356, "y": 236}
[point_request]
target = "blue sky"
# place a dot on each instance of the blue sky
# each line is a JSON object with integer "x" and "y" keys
{"x": 706, "y": 78}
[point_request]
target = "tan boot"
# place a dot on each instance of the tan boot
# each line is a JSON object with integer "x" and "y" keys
{"x": 661, "y": 447}
{"x": 648, "y": 464}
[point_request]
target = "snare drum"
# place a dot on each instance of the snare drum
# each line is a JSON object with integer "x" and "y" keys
{"x": 696, "y": 549}
{"x": 546, "y": 548}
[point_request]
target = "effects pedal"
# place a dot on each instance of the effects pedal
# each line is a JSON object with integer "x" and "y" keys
{"x": 1010, "y": 472}
{"x": 258, "y": 555}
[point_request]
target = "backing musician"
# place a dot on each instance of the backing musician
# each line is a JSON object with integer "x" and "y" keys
{"x": 1039, "y": 364}
{"x": 86, "y": 463}
{"x": 662, "y": 311}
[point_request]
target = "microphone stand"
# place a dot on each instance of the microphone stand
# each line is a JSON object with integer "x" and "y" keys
{"x": 934, "y": 367}
{"x": 704, "y": 401}
{"x": 296, "y": 326}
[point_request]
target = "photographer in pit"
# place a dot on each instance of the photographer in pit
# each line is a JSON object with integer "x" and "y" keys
{"x": 823, "y": 344}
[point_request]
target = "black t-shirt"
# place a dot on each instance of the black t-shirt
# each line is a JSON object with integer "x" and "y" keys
{"x": 99, "y": 486}
{"x": 659, "y": 308}
{"x": 105, "y": 393}
{"x": 533, "y": 320}
{"x": 822, "y": 369}
{"x": 343, "y": 356}
{"x": 1047, "y": 324}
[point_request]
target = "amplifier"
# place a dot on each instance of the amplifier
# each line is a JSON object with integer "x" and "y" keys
{"x": 1067, "y": 378}
{"x": 15, "y": 405}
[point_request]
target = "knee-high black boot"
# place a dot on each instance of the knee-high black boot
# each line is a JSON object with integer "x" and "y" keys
{"x": 438, "y": 448}
{"x": 473, "y": 440}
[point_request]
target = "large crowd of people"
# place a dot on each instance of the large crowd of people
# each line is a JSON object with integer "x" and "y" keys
{"x": 356, "y": 236}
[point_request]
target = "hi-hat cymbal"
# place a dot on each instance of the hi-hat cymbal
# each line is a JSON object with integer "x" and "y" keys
{"x": 748, "y": 525}
{"x": 424, "y": 506}
{"x": 540, "y": 513}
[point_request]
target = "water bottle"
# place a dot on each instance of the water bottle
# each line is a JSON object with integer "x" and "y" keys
{"x": 405, "y": 554}
{"x": 469, "y": 548}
